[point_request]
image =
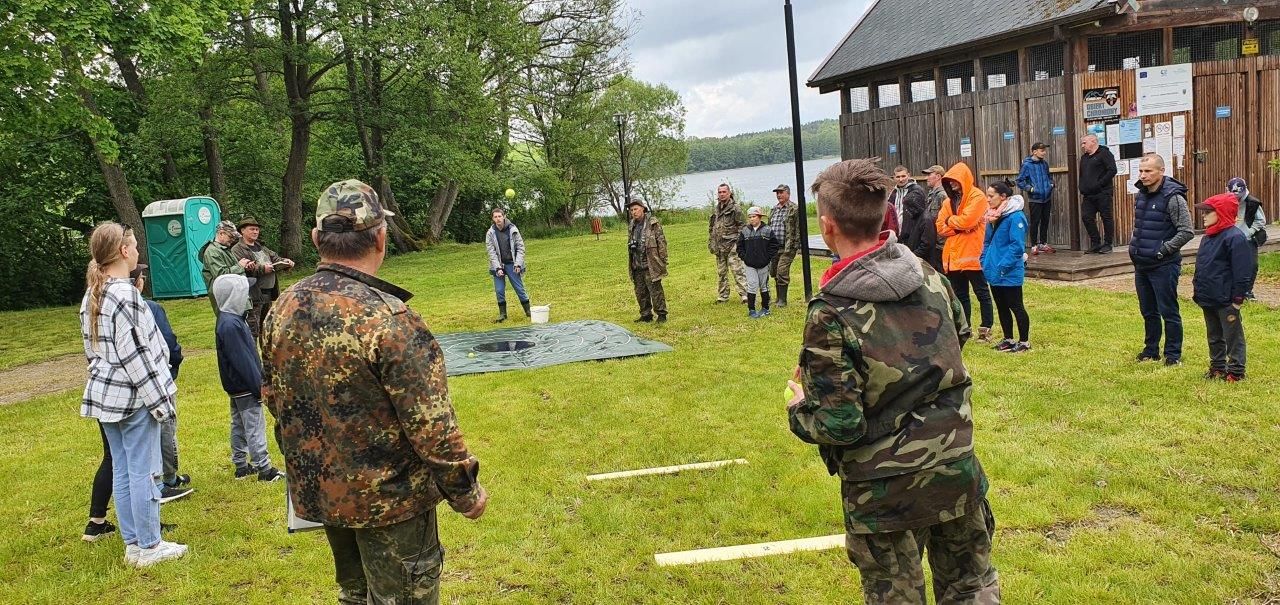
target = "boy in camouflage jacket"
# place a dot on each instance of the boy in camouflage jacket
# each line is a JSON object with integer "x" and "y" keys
{"x": 884, "y": 393}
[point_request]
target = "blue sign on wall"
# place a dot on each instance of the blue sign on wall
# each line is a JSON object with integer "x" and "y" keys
{"x": 1059, "y": 131}
{"x": 1223, "y": 111}
{"x": 893, "y": 149}
{"x": 1008, "y": 135}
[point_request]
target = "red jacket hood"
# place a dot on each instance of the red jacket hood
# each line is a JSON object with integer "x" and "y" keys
{"x": 1226, "y": 206}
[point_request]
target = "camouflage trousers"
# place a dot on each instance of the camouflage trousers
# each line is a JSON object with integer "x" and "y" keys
{"x": 780, "y": 268}
{"x": 959, "y": 557}
{"x": 649, "y": 294}
{"x": 256, "y": 314}
{"x": 394, "y": 565}
{"x": 726, "y": 262}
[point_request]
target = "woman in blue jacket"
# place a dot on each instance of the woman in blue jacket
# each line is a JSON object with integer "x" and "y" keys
{"x": 1004, "y": 263}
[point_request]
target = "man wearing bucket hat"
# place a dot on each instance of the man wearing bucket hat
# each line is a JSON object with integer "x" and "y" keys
{"x": 218, "y": 260}
{"x": 647, "y": 260}
{"x": 383, "y": 390}
{"x": 265, "y": 263}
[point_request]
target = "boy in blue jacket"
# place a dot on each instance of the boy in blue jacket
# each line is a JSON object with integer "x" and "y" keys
{"x": 241, "y": 373}
{"x": 1224, "y": 271}
{"x": 1035, "y": 182}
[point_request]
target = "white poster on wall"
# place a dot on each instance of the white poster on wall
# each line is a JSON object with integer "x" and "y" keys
{"x": 1179, "y": 126}
{"x": 1164, "y": 89}
{"x": 1134, "y": 164}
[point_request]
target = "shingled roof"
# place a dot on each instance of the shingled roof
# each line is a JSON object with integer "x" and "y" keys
{"x": 895, "y": 30}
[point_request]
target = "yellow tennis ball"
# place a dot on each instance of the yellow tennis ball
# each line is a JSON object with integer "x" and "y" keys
{"x": 788, "y": 394}
{"x": 510, "y": 193}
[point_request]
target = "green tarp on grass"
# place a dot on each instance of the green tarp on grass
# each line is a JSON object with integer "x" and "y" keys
{"x": 540, "y": 345}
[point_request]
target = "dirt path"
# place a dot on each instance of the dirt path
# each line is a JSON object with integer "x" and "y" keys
{"x": 1268, "y": 293}
{"x": 44, "y": 378}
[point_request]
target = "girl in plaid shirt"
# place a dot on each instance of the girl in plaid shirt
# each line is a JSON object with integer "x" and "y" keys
{"x": 129, "y": 390}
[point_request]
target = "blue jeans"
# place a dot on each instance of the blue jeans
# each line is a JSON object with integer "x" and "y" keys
{"x": 500, "y": 284}
{"x": 135, "y": 466}
{"x": 1158, "y": 301}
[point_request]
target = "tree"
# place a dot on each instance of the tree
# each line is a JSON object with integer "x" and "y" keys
{"x": 655, "y": 150}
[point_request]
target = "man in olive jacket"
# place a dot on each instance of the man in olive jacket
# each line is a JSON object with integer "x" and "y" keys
{"x": 218, "y": 259}
{"x": 722, "y": 241}
{"x": 647, "y": 260}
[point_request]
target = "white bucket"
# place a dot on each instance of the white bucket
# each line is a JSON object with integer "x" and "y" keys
{"x": 540, "y": 314}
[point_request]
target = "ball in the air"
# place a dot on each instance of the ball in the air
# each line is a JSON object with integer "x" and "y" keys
{"x": 471, "y": 354}
{"x": 511, "y": 193}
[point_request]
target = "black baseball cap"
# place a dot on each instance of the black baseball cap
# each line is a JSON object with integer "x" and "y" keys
{"x": 1038, "y": 146}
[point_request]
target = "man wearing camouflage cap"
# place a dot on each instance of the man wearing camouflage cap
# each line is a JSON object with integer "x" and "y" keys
{"x": 882, "y": 390}
{"x": 218, "y": 259}
{"x": 357, "y": 385}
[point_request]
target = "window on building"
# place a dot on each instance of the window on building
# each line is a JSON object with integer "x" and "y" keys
{"x": 1045, "y": 61}
{"x": 958, "y": 79}
{"x": 1207, "y": 43}
{"x": 859, "y": 99}
{"x": 889, "y": 92}
{"x": 922, "y": 86}
{"x": 1000, "y": 70}
{"x": 1268, "y": 34}
{"x": 1125, "y": 51}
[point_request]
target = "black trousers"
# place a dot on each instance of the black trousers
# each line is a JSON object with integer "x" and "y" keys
{"x": 1094, "y": 206}
{"x": 961, "y": 282}
{"x": 1009, "y": 306}
{"x": 101, "y": 494}
{"x": 1040, "y": 222}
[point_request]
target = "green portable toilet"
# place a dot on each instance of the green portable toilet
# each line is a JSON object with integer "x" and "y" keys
{"x": 176, "y": 230}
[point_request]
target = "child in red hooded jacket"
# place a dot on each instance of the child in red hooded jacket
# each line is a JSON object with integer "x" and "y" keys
{"x": 1224, "y": 269}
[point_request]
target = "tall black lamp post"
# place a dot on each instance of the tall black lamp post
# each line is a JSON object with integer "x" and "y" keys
{"x": 621, "y": 120}
{"x": 795, "y": 136}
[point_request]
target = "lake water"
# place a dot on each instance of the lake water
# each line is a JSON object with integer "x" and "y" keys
{"x": 755, "y": 183}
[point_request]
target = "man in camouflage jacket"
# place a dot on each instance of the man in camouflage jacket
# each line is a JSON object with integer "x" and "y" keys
{"x": 647, "y": 261}
{"x": 722, "y": 241}
{"x": 884, "y": 393}
{"x": 357, "y": 385}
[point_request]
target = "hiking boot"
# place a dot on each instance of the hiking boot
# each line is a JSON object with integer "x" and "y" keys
{"x": 1233, "y": 377}
{"x": 1171, "y": 361}
{"x": 1005, "y": 344}
{"x": 644, "y": 319}
{"x": 502, "y": 313}
{"x": 270, "y": 474}
{"x": 245, "y": 471}
{"x": 1213, "y": 374}
{"x": 96, "y": 531}
{"x": 161, "y": 552}
{"x": 984, "y": 334}
{"x": 1021, "y": 347}
{"x": 169, "y": 494}
{"x": 1145, "y": 357}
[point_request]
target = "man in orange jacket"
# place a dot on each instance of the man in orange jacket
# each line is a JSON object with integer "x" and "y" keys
{"x": 960, "y": 222}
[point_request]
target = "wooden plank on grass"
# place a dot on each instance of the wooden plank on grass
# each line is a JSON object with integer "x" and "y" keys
{"x": 729, "y": 553}
{"x": 666, "y": 470}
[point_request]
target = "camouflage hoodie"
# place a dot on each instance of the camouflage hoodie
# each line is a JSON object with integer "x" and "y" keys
{"x": 887, "y": 393}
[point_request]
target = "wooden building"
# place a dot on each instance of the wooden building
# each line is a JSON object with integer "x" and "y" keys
{"x": 941, "y": 81}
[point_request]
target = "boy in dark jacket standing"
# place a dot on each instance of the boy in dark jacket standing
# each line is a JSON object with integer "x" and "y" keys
{"x": 757, "y": 245}
{"x": 1035, "y": 182}
{"x": 1224, "y": 267}
{"x": 882, "y": 390}
{"x": 241, "y": 373}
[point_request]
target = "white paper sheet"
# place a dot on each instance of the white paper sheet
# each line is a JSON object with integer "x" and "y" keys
{"x": 1179, "y": 126}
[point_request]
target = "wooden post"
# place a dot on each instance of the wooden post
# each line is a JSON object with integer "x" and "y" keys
{"x": 1166, "y": 48}
{"x": 846, "y": 100}
{"x": 873, "y": 95}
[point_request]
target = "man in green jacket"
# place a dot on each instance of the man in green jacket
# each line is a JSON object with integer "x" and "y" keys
{"x": 647, "y": 259}
{"x": 884, "y": 393}
{"x": 217, "y": 258}
{"x": 722, "y": 241}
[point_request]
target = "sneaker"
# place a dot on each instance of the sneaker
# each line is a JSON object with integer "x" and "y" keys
{"x": 1035, "y": 250}
{"x": 1171, "y": 362}
{"x": 95, "y": 531}
{"x": 1105, "y": 249}
{"x": 1213, "y": 374}
{"x": 161, "y": 552}
{"x": 245, "y": 471}
{"x": 1233, "y": 377}
{"x": 270, "y": 474}
{"x": 1144, "y": 357}
{"x": 984, "y": 334}
{"x": 181, "y": 481}
{"x": 1047, "y": 249}
{"x": 1021, "y": 347}
{"x": 780, "y": 304}
{"x": 1249, "y": 295}
{"x": 131, "y": 554}
{"x": 765, "y": 313}
{"x": 1005, "y": 344}
{"x": 753, "y": 314}
{"x": 169, "y": 494}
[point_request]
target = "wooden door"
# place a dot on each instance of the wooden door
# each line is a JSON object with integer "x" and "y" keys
{"x": 1219, "y": 146}
{"x": 957, "y": 125}
{"x": 1046, "y": 123}
{"x": 998, "y": 144}
{"x": 921, "y": 143}
{"x": 855, "y": 143}
{"x": 886, "y": 143}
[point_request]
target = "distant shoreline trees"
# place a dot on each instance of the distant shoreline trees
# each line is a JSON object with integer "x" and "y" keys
{"x": 820, "y": 139}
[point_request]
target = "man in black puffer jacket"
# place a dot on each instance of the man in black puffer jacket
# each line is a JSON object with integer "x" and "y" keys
{"x": 757, "y": 245}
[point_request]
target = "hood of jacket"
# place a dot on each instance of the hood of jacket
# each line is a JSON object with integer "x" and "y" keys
{"x": 1031, "y": 161}
{"x": 889, "y": 273}
{"x": 1014, "y": 204}
{"x": 1226, "y": 206}
{"x": 231, "y": 292}
{"x": 961, "y": 175}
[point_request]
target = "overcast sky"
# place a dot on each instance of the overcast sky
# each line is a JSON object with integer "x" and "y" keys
{"x": 728, "y": 58}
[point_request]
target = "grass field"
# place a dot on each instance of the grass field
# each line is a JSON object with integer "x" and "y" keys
{"x": 1112, "y": 482}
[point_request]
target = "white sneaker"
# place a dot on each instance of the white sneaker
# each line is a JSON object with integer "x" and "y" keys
{"x": 161, "y": 552}
{"x": 131, "y": 554}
